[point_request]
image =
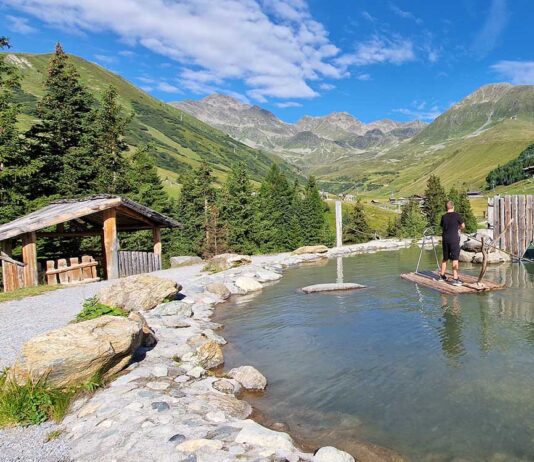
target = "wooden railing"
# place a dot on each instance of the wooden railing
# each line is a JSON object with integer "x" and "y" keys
{"x": 75, "y": 273}
{"x": 131, "y": 262}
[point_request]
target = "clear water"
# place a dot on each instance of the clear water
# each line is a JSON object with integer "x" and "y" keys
{"x": 432, "y": 377}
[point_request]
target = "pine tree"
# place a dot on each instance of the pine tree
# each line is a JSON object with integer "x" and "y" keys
{"x": 63, "y": 113}
{"x": 311, "y": 215}
{"x": 276, "y": 198}
{"x": 412, "y": 222}
{"x": 435, "y": 200}
{"x": 196, "y": 196}
{"x": 216, "y": 240}
{"x": 356, "y": 227}
{"x": 239, "y": 209}
{"x": 16, "y": 167}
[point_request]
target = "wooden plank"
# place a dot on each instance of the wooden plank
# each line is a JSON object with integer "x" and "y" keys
{"x": 502, "y": 220}
{"x": 508, "y": 218}
{"x": 515, "y": 224}
{"x": 62, "y": 268}
{"x": 74, "y": 266}
{"x": 156, "y": 237}
{"x": 29, "y": 258}
{"x": 93, "y": 269}
{"x": 432, "y": 281}
{"x": 76, "y": 271}
{"x": 135, "y": 264}
{"x": 521, "y": 226}
{"x": 51, "y": 279}
{"x": 86, "y": 270}
{"x": 111, "y": 243}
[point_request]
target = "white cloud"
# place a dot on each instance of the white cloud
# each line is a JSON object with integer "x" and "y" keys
{"x": 517, "y": 72}
{"x": 364, "y": 77}
{"x": 327, "y": 86}
{"x": 20, "y": 25}
{"x": 497, "y": 19}
{"x": 105, "y": 59}
{"x": 274, "y": 46}
{"x": 167, "y": 88}
{"x": 368, "y": 16}
{"x": 287, "y": 104}
{"x": 380, "y": 50}
{"x": 404, "y": 14}
{"x": 420, "y": 111}
{"x": 126, "y": 53}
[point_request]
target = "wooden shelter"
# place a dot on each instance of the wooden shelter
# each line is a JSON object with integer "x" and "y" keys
{"x": 103, "y": 216}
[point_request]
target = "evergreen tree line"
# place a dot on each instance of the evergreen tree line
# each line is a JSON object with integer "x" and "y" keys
{"x": 279, "y": 216}
{"x": 512, "y": 171}
{"x": 77, "y": 148}
{"x": 414, "y": 219}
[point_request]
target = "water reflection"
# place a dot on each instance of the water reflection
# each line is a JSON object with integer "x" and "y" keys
{"x": 450, "y": 331}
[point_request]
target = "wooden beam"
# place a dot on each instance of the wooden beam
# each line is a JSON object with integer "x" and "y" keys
{"x": 121, "y": 210}
{"x": 111, "y": 243}
{"x": 68, "y": 233}
{"x": 29, "y": 258}
{"x": 156, "y": 234}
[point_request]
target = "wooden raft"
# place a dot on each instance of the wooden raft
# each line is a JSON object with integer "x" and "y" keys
{"x": 431, "y": 279}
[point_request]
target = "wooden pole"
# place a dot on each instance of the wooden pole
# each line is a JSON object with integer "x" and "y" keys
{"x": 156, "y": 234}
{"x": 29, "y": 258}
{"x": 111, "y": 244}
{"x": 339, "y": 224}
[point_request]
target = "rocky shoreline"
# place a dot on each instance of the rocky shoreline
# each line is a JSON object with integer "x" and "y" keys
{"x": 171, "y": 405}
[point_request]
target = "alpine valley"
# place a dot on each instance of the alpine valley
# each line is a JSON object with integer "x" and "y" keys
{"x": 487, "y": 128}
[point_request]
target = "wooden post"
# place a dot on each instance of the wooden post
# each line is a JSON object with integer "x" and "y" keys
{"x": 7, "y": 269}
{"x": 29, "y": 257}
{"x": 111, "y": 244}
{"x": 339, "y": 224}
{"x": 156, "y": 234}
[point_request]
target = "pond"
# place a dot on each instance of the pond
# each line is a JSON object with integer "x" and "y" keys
{"x": 431, "y": 377}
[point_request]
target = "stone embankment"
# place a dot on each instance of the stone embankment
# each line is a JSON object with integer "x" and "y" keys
{"x": 170, "y": 405}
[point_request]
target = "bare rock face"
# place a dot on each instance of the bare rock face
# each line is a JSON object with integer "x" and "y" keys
{"x": 229, "y": 260}
{"x": 176, "y": 262}
{"x": 210, "y": 355}
{"x": 75, "y": 353}
{"x": 311, "y": 249}
{"x": 137, "y": 293}
{"x": 220, "y": 289}
{"x": 249, "y": 377}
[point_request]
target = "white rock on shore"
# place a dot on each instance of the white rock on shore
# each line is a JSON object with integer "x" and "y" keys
{"x": 249, "y": 377}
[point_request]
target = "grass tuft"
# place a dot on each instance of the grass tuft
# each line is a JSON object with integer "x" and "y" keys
{"x": 53, "y": 435}
{"x": 93, "y": 309}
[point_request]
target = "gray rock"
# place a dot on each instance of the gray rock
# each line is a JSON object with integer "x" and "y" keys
{"x": 253, "y": 433}
{"x": 331, "y": 287}
{"x": 224, "y": 386}
{"x": 160, "y": 406}
{"x": 331, "y": 454}
{"x": 176, "y": 322}
{"x": 178, "y": 438}
{"x": 248, "y": 284}
{"x": 175, "y": 308}
{"x": 249, "y": 377}
{"x": 176, "y": 262}
{"x": 218, "y": 288}
{"x": 223, "y": 433}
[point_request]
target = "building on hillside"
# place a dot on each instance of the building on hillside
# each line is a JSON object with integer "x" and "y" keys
{"x": 102, "y": 216}
{"x": 418, "y": 198}
{"x": 474, "y": 194}
{"x": 398, "y": 201}
{"x": 529, "y": 170}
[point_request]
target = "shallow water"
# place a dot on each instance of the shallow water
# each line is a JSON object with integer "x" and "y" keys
{"x": 432, "y": 377}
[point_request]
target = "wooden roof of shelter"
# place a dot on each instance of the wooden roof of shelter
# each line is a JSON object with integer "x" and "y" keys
{"x": 130, "y": 216}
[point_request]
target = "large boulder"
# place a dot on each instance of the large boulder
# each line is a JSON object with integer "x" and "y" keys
{"x": 210, "y": 355}
{"x": 174, "y": 308}
{"x": 311, "y": 249}
{"x": 494, "y": 257}
{"x": 466, "y": 257}
{"x": 78, "y": 352}
{"x": 137, "y": 293}
{"x": 331, "y": 454}
{"x": 249, "y": 377}
{"x": 226, "y": 261}
{"x": 176, "y": 262}
{"x": 472, "y": 246}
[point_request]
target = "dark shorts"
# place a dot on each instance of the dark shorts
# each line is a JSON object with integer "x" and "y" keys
{"x": 451, "y": 250}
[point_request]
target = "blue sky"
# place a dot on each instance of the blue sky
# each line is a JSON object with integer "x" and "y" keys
{"x": 376, "y": 59}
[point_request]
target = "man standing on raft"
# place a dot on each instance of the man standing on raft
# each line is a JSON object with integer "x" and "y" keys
{"x": 451, "y": 224}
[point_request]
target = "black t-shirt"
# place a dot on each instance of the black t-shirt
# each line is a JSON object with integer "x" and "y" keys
{"x": 450, "y": 224}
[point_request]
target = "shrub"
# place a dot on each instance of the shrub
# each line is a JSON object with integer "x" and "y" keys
{"x": 93, "y": 309}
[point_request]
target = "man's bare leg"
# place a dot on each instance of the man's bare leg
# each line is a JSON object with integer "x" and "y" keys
{"x": 443, "y": 267}
{"x": 455, "y": 269}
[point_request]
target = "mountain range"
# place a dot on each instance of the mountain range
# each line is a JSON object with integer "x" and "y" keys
{"x": 309, "y": 143}
{"x": 488, "y": 127}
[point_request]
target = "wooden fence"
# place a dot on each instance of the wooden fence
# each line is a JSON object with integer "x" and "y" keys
{"x": 513, "y": 217}
{"x": 75, "y": 273}
{"x": 12, "y": 273}
{"x": 131, "y": 262}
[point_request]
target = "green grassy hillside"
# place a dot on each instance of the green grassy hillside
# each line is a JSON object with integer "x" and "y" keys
{"x": 181, "y": 141}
